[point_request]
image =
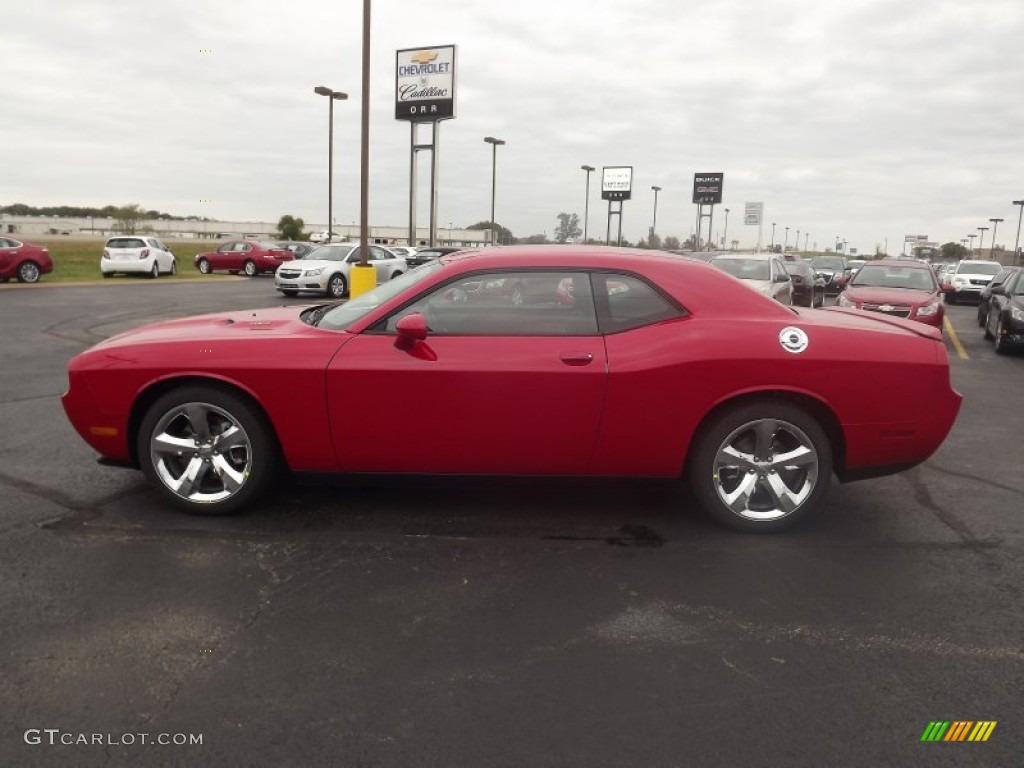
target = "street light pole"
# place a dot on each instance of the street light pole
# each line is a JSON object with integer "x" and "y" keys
{"x": 725, "y": 234}
{"x": 495, "y": 143}
{"x": 971, "y": 238}
{"x": 995, "y": 226}
{"x": 807, "y": 237}
{"x": 332, "y": 96}
{"x": 796, "y": 242}
{"x": 785, "y": 243}
{"x": 981, "y": 240}
{"x": 586, "y": 202}
{"x": 654, "y": 224}
{"x": 772, "y": 247}
{"x": 1016, "y": 243}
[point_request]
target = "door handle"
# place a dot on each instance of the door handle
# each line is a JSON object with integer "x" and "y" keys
{"x": 577, "y": 358}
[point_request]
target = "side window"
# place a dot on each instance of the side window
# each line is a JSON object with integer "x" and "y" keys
{"x": 226, "y": 248}
{"x": 378, "y": 254}
{"x": 507, "y": 304}
{"x": 629, "y": 302}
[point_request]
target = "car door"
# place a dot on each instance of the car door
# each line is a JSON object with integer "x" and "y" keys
{"x": 381, "y": 261}
{"x": 6, "y": 255}
{"x": 782, "y": 285}
{"x": 492, "y": 389}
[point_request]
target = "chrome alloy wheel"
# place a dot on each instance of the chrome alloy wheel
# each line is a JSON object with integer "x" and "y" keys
{"x": 201, "y": 453}
{"x": 765, "y": 469}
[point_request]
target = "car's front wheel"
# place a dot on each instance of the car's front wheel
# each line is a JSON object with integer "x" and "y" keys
{"x": 206, "y": 450}
{"x": 204, "y": 266}
{"x": 1000, "y": 337}
{"x": 988, "y": 325}
{"x": 249, "y": 268}
{"x": 761, "y": 467}
{"x": 155, "y": 271}
{"x": 28, "y": 272}
{"x": 336, "y": 286}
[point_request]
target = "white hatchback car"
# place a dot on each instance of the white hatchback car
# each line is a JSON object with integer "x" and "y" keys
{"x": 137, "y": 254}
{"x": 326, "y": 269}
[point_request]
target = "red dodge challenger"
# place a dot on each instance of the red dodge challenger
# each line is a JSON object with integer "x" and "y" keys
{"x": 638, "y": 364}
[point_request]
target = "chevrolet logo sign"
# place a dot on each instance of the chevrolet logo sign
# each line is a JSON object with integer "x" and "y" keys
{"x": 886, "y": 308}
{"x": 423, "y": 57}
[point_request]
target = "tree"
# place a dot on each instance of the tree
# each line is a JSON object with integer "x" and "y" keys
{"x": 128, "y": 217}
{"x": 953, "y": 251}
{"x": 291, "y": 228}
{"x": 654, "y": 242}
{"x": 671, "y": 243}
{"x": 534, "y": 240}
{"x": 568, "y": 228}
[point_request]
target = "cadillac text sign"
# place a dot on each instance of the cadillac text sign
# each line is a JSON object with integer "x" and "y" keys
{"x": 425, "y": 83}
{"x": 617, "y": 182}
{"x": 707, "y": 188}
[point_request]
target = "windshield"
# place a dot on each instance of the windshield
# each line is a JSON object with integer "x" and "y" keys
{"x": 342, "y": 316}
{"x": 328, "y": 253}
{"x": 878, "y": 276}
{"x": 978, "y": 268}
{"x": 827, "y": 262}
{"x": 744, "y": 269}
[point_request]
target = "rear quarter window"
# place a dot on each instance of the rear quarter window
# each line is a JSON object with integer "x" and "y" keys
{"x": 626, "y": 302}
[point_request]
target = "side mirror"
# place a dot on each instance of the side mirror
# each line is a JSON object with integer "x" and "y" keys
{"x": 411, "y": 328}
{"x": 947, "y": 288}
{"x": 999, "y": 290}
{"x": 782, "y": 277}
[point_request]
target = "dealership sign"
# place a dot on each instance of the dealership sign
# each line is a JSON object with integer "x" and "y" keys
{"x": 617, "y": 182}
{"x": 707, "y": 188}
{"x": 425, "y": 83}
{"x": 752, "y": 213}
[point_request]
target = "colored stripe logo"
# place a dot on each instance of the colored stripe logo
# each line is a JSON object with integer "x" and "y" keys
{"x": 958, "y": 730}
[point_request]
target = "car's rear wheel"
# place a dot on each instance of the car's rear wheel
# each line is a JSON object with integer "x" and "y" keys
{"x": 290, "y": 294}
{"x": 337, "y": 286}
{"x": 396, "y": 274}
{"x": 206, "y": 450}
{"x": 28, "y": 272}
{"x": 155, "y": 271}
{"x": 249, "y": 268}
{"x": 174, "y": 266}
{"x": 761, "y": 467}
{"x": 204, "y": 266}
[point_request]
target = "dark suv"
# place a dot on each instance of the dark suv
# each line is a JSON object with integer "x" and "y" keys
{"x": 830, "y": 269}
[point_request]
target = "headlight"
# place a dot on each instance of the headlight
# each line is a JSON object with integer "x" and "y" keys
{"x": 959, "y": 281}
{"x": 845, "y": 302}
{"x": 1017, "y": 314}
{"x": 928, "y": 309}
{"x": 313, "y": 272}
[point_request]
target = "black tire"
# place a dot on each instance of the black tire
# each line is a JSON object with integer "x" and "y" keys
{"x": 204, "y": 266}
{"x": 396, "y": 274}
{"x": 290, "y": 294}
{"x": 168, "y": 414}
{"x": 336, "y": 286}
{"x": 28, "y": 272}
{"x": 249, "y": 268}
{"x": 999, "y": 343}
{"x": 174, "y": 267}
{"x": 155, "y": 271}
{"x": 788, "y": 426}
{"x": 988, "y": 323}
{"x": 107, "y": 274}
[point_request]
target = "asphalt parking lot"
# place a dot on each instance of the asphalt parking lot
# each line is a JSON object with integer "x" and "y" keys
{"x": 495, "y": 624}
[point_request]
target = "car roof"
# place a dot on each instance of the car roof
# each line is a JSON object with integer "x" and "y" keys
{"x": 756, "y": 256}
{"x": 902, "y": 263}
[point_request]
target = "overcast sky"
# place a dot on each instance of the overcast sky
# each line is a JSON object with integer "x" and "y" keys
{"x": 863, "y": 119}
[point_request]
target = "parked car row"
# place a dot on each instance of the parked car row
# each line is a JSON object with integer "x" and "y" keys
{"x": 791, "y": 281}
{"x": 1004, "y": 314}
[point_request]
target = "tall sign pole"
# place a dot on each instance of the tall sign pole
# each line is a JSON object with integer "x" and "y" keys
{"x": 753, "y": 213}
{"x": 425, "y": 93}
{"x": 616, "y": 186}
{"x": 707, "y": 191}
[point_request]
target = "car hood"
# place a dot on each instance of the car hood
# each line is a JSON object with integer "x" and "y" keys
{"x": 307, "y": 264}
{"x": 857, "y": 319}
{"x": 896, "y": 296}
{"x": 281, "y": 321}
{"x": 970, "y": 276}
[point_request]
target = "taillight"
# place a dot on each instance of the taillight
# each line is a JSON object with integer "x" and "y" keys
{"x": 106, "y": 254}
{"x": 144, "y": 254}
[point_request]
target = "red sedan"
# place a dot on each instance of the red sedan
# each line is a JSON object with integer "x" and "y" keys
{"x": 897, "y": 288}
{"x": 250, "y": 257}
{"x": 24, "y": 261}
{"x": 659, "y": 366}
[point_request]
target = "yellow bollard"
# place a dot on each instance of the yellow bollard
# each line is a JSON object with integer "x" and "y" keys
{"x": 363, "y": 279}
